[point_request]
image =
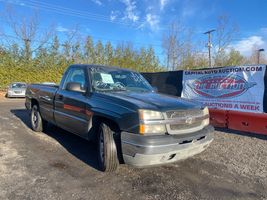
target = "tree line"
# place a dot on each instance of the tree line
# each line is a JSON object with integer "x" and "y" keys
{"x": 48, "y": 62}
{"x": 31, "y": 54}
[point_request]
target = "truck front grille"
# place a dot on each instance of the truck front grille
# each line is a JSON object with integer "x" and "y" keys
{"x": 194, "y": 123}
{"x": 185, "y": 126}
{"x": 184, "y": 113}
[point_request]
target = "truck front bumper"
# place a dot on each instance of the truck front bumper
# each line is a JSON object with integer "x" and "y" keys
{"x": 142, "y": 151}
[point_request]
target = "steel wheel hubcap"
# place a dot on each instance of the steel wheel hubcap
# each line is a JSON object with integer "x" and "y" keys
{"x": 35, "y": 118}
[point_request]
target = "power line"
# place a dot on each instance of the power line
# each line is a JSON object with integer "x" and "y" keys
{"x": 81, "y": 14}
{"x": 57, "y": 9}
{"x": 137, "y": 43}
{"x": 72, "y": 12}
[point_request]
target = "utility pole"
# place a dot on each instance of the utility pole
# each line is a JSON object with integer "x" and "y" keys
{"x": 258, "y": 54}
{"x": 209, "y": 45}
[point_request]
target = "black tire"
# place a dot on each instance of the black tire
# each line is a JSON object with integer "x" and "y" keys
{"x": 37, "y": 123}
{"x": 107, "y": 151}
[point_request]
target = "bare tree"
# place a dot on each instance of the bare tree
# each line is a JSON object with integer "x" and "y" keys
{"x": 224, "y": 36}
{"x": 225, "y": 32}
{"x": 71, "y": 43}
{"x": 172, "y": 45}
{"x": 26, "y": 31}
{"x": 180, "y": 51}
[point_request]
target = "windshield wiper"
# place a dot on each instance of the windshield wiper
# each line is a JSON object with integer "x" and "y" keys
{"x": 119, "y": 89}
{"x": 110, "y": 90}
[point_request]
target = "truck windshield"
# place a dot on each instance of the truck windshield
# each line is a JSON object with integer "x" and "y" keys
{"x": 118, "y": 80}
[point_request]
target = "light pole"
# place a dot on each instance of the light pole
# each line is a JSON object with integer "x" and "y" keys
{"x": 258, "y": 54}
{"x": 209, "y": 45}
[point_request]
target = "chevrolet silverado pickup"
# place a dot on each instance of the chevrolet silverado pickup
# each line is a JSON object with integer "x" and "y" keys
{"x": 122, "y": 112}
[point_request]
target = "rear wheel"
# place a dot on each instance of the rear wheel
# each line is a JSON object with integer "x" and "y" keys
{"x": 37, "y": 123}
{"x": 107, "y": 151}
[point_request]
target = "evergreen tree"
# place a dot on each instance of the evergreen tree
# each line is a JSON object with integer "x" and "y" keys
{"x": 99, "y": 52}
{"x": 66, "y": 50}
{"x": 55, "y": 46}
{"x": 76, "y": 53}
{"x": 108, "y": 53}
{"x": 89, "y": 52}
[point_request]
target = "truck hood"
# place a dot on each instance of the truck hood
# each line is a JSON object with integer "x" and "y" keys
{"x": 152, "y": 100}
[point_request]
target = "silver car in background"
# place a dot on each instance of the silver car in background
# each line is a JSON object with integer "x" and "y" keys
{"x": 48, "y": 83}
{"x": 16, "y": 89}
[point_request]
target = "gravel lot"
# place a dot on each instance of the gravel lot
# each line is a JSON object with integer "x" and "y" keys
{"x": 59, "y": 165}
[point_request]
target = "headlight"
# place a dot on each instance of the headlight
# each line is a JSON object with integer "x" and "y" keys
{"x": 157, "y": 129}
{"x": 152, "y": 129}
{"x": 150, "y": 115}
{"x": 206, "y": 122}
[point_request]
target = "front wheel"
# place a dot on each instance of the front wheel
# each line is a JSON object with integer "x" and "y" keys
{"x": 107, "y": 151}
{"x": 37, "y": 123}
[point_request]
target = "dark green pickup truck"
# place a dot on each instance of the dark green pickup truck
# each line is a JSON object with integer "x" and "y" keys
{"x": 120, "y": 110}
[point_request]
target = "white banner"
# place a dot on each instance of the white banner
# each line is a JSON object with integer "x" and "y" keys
{"x": 238, "y": 88}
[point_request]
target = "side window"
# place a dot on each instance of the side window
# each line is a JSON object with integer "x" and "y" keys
{"x": 75, "y": 75}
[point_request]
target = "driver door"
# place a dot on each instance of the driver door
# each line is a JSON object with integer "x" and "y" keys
{"x": 71, "y": 108}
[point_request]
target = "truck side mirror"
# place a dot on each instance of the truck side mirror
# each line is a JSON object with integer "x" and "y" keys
{"x": 75, "y": 87}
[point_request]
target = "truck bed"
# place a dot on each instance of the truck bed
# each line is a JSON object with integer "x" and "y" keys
{"x": 45, "y": 95}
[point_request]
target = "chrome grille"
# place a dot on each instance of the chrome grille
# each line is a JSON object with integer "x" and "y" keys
{"x": 185, "y": 126}
{"x": 195, "y": 121}
{"x": 184, "y": 113}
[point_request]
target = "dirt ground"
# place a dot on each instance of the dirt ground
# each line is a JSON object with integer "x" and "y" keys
{"x": 2, "y": 94}
{"x": 59, "y": 165}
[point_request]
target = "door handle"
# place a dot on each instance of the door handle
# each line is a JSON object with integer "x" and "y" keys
{"x": 46, "y": 98}
{"x": 60, "y": 97}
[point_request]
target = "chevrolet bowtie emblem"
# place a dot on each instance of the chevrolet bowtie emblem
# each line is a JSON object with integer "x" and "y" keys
{"x": 189, "y": 120}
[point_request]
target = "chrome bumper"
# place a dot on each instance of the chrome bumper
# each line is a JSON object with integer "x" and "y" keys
{"x": 16, "y": 95}
{"x": 141, "y": 151}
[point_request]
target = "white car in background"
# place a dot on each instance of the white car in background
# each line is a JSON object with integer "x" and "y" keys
{"x": 16, "y": 89}
{"x": 48, "y": 83}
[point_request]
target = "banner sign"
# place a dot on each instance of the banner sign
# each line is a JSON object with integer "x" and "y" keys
{"x": 239, "y": 88}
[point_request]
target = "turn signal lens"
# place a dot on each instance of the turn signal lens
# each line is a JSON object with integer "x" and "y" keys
{"x": 152, "y": 129}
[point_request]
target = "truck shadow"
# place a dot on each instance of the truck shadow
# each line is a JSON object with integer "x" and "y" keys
{"x": 82, "y": 149}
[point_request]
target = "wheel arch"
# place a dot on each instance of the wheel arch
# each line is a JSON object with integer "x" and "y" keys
{"x": 114, "y": 126}
{"x": 34, "y": 102}
{"x": 98, "y": 119}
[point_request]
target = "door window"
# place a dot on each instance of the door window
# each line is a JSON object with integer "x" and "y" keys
{"x": 76, "y": 75}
